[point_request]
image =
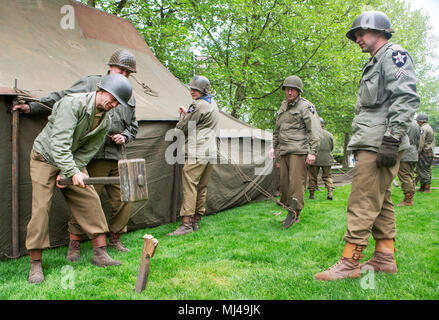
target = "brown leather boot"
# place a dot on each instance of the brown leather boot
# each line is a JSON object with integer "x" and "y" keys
{"x": 100, "y": 255}
{"x": 347, "y": 267}
{"x": 36, "y": 275}
{"x": 114, "y": 242}
{"x": 408, "y": 200}
{"x": 421, "y": 188}
{"x": 185, "y": 227}
{"x": 383, "y": 259}
{"x": 197, "y": 218}
{"x": 74, "y": 252}
{"x": 427, "y": 188}
{"x": 311, "y": 194}
{"x": 329, "y": 197}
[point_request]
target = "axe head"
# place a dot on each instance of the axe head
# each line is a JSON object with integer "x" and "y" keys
{"x": 133, "y": 185}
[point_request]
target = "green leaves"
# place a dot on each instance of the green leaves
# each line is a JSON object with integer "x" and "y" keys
{"x": 248, "y": 47}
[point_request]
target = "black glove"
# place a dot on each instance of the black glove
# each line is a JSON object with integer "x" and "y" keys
{"x": 388, "y": 152}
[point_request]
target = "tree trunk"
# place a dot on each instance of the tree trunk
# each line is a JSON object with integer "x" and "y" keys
{"x": 345, "y": 151}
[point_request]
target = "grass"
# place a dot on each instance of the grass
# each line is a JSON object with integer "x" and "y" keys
{"x": 244, "y": 254}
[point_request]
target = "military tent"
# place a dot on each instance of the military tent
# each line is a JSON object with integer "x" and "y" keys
{"x": 49, "y": 44}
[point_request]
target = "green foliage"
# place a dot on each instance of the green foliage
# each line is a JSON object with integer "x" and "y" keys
{"x": 248, "y": 47}
{"x": 338, "y": 157}
{"x": 243, "y": 253}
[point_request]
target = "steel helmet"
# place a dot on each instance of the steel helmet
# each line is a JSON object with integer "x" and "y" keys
{"x": 201, "y": 84}
{"x": 422, "y": 117}
{"x": 118, "y": 85}
{"x": 123, "y": 58}
{"x": 293, "y": 82}
{"x": 373, "y": 20}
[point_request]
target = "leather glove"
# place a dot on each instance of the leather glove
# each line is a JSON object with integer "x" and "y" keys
{"x": 388, "y": 152}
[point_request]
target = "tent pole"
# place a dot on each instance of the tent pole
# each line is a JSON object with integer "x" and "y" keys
{"x": 15, "y": 186}
{"x": 174, "y": 194}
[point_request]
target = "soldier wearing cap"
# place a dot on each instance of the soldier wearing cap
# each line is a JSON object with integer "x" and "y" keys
{"x": 199, "y": 124}
{"x": 75, "y": 131}
{"x": 296, "y": 139}
{"x": 123, "y": 130}
{"x": 426, "y": 153}
{"x": 324, "y": 160}
{"x": 406, "y": 172}
{"x": 386, "y": 103}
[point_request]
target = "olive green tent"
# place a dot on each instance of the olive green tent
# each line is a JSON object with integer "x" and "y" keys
{"x": 49, "y": 44}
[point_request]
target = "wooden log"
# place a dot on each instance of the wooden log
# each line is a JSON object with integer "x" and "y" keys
{"x": 149, "y": 246}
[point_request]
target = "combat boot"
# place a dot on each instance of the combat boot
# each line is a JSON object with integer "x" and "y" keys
{"x": 197, "y": 218}
{"x": 427, "y": 188}
{"x": 329, "y": 197}
{"x": 408, "y": 200}
{"x": 347, "y": 267}
{"x": 421, "y": 188}
{"x": 114, "y": 242}
{"x": 185, "y": 227}
{"x": 100, "y": 255}
{"x": 74, "y": 252}
{"x": 311, "y": 194}
{"x": 36, "y": 275}
{"x": 292, "y": 216}
{"x": 383, "y": 259}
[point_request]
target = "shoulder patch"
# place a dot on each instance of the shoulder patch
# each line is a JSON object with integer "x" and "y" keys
{"x": 399, "y": 58}
{"x": 191, "y": 108}
{"x": 312, "y": 109}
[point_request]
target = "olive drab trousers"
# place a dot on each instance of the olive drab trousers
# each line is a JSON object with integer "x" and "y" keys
{"x": 313, "y": 172}
{"x": 370, "y": 208}
{"x": 293, "y": 174}
{"x": 424, "y": 167}
{"x": 406, "y": 175}
{"x": 84, "y": 205}
{"x": 195, "y": 178}
{"x": 120, "y": 210}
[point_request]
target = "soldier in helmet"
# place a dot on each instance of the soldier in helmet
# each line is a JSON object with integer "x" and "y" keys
{"x": 123, "y": 130}
{"x": 426, "y": 153}
{"x": 406, "y": 172}
{"x": 199, "y": 124}
{"x": 296, "y": 139}
{"x": 324, "y": 160}
{"x": 386, "y": 103}
{"x": 75, "y": 131}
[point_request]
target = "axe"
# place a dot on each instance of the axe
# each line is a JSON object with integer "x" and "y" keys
{"x": 132, "y": 180}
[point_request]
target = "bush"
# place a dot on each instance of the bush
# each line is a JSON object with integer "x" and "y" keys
{"x": 338, "y": 157}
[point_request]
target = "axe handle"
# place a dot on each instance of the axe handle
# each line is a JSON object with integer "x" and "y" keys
{"x": 96, "y": 180}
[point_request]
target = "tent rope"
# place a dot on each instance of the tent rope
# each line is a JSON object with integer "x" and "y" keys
{"x": 247, "y": 179}
{"x": 146, "y": 88}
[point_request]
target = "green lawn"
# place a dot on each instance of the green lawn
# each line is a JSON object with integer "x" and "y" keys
{"x": 243, "y": 253}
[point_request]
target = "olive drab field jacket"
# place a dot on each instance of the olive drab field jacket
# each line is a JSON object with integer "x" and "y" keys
{"x": 324, "y": 155}
{"x": 65, "y": 142}
{"x": 386, "y": 100}
{"x": 200, "y": 125}
{"x": 297, "y": 129}
{"x": 414, "y": 134}
{"x": 123, "y": 119}
{"x": 427, "y": 139}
